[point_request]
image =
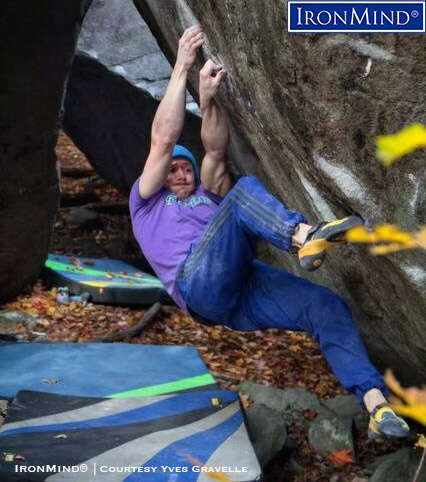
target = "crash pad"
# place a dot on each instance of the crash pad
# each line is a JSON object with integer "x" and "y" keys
{"x": 107, "y": 280}
{"x": 149, "y": 439}
{"x": 100, "y": 369}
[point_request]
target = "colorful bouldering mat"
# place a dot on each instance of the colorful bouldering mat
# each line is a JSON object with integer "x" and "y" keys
{"x": 107, "y": 280}
{"x": 100, "y": 369}
{"x": 170, "y": 438}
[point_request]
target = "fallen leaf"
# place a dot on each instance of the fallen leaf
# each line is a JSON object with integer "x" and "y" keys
{"x": 50, "y": 381}
{"x": 309, "y": 414}
{"x": 213, "y": 475}
{"x": 421, "y": 442}
{"x": 341, "y": 457}
{"x": 216, "y": 334}
{"x": 294, "y": 348}
{"x": 245, "y": 399}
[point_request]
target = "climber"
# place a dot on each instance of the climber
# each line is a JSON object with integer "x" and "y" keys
{"x": 199, "y": 234}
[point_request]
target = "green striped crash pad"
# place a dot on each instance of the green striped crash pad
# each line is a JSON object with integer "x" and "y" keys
{"x": 167, "y": 438}
{"x": 107, "y": 280}
{"x": 100, "y": 370}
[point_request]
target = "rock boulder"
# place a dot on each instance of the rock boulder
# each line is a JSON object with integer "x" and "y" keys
{"x": 305, "y": 110}
{"x": 38, "y": 40}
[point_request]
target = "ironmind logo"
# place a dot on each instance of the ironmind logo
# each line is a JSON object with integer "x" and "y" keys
{"x": 312, "y": 16}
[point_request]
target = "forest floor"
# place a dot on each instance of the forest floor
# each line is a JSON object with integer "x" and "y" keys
{"x": 276, "y": 358}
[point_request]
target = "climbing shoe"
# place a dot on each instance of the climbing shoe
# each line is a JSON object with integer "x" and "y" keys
{"x": 321, "y": 237}
{"x": 385, "y": 423}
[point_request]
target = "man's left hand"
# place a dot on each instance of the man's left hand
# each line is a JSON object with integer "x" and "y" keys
{"x": 211, "y": 76}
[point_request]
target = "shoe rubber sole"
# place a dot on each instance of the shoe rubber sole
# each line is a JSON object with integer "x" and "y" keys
{"x": 374, "y": 434}
{"x": 388, "y": 425}
{"x": 312, "y": 253}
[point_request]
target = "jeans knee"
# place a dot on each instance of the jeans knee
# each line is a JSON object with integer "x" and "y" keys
{"x": 245, "y": 182}
{"x": 328, "y": 311}
{"x": 329, "y": 298}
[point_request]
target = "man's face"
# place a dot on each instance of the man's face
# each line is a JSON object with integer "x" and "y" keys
{"x": 181, "y": 179}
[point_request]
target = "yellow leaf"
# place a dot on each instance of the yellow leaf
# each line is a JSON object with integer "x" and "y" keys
{"x": 390, "y": 232}
{"x": 421, "y": 442}
{"x": 213, "y": 475}
{"x": 379, "y": 233}
{"x": 393, "y": 384}
{"x": 387, "y": 238}
{"x": 391, "y": 147}
{"x": 420, "y": 237}
{"x": 388, "y": 248}
{"x": 245, "y": 399}
{"x": 294, "y": 348}
{"x": 411, "y": 402}
{"x": 359, "y": 234}
{"x": 416, "y": 411}
{"x": 218, "y": 476}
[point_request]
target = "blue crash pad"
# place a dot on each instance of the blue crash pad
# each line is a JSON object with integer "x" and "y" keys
{"x": 159, "y": 439}
{"x": 100, "y": 370}
{"x": 107, "y": 280}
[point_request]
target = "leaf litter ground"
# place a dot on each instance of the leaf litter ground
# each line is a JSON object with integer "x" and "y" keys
{"x": 271, "y": 357}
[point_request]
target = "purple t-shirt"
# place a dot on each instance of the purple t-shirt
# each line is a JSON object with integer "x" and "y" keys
{"x": 165, "y": 228}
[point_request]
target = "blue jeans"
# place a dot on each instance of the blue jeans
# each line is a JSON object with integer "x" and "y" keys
{"x": 222, "y": 283}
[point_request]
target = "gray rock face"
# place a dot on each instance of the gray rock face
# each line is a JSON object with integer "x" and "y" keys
{"x": 114, "y": 33}
{"x": 401, "y": 465}
{"x": 347, "y": 406}
{"x": 307, "y": 108}
{"x": 289, "y": 402}
{"x": 267, "y": 431}
{"x": 328, "y": 434}
{"x": 273, "y": 409}
{"x": 38, "y": 41}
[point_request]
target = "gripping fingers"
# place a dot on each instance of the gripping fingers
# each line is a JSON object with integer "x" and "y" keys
{"x": 197, "y": 40}
{"x": 191, "y": 32}
{"x": 191, "y": 40}
{"x": 194, "y": 28}
{"x": 211, "y": 69}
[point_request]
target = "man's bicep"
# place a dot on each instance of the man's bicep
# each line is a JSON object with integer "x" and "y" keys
{"x": 155, "y": 171}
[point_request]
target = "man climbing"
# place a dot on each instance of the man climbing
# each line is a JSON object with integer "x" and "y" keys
{"x": 200, "y": 240}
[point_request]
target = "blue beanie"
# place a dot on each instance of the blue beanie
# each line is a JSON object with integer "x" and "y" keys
{"x": 180, "y": 151}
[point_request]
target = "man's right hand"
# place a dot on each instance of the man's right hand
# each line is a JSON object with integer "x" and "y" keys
{"x": 189, "y": 43}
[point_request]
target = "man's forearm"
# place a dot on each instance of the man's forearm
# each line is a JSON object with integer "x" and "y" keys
{"x": 169, "y": 118}
{"x": 214, "y": 129}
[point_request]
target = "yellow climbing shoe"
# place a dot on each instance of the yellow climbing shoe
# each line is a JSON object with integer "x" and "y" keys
{"x": 321, "y": 237}
{"x": 385, "y": 423}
